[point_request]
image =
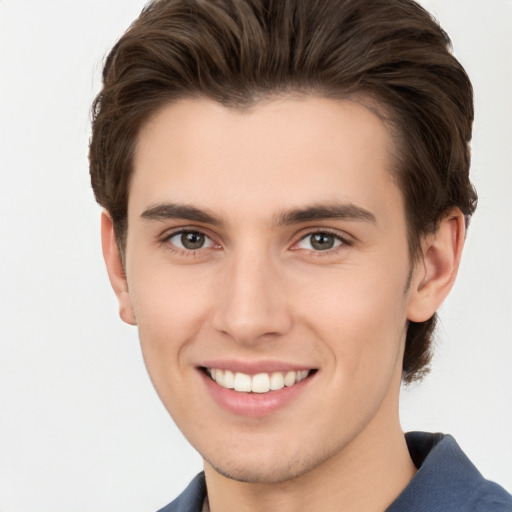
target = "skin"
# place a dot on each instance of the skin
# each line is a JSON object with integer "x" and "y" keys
{"x": 258, "y": 290}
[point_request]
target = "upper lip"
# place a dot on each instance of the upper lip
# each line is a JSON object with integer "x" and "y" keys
{"x": 254, "y": 367}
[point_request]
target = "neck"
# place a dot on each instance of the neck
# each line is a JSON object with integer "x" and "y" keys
{"x": 368, "y": 474}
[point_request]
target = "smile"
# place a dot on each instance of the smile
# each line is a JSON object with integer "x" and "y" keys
{"x": 259, "y": 383}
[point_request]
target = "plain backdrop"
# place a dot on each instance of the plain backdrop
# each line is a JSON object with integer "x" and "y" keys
{"x": 81, "y": 429}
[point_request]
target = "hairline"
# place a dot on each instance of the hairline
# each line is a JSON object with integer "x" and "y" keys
{"x": 367, "y": 100}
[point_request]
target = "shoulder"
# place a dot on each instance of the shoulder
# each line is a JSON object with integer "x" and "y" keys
{"x": 191, "y": 499}
{"x": 446, "y": 480}
{"x": 490, "y": 497}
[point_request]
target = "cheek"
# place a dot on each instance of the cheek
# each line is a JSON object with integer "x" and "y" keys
{"x": 360, "y": 316}
{"x": 170, "y": 306}
{"x": 165, "y": 295}
{"x": 170, "y": 312}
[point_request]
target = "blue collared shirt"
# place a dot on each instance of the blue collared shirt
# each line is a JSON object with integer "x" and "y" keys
{"x": 446, "y": 481}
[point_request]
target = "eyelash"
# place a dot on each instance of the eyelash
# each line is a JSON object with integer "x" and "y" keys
{"x": 166, "y": 241}
{"x": 344, "y": 242}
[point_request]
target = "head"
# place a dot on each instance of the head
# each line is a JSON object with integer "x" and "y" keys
{"x": 351, "y": 121}
{"x": 390, "y": 56}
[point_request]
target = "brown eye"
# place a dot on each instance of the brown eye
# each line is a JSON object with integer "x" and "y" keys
{"x": 192, "y": 240}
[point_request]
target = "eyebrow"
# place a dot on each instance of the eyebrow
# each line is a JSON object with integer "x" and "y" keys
{"x": 180, "y": 211}
{"x": 344, "y": 211}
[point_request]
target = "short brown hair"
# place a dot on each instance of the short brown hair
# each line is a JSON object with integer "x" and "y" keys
{"x": 391, "y": 52}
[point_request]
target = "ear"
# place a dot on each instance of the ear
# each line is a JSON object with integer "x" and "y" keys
{"x": 434, "y": 273}
{"x": 115, "y": 269}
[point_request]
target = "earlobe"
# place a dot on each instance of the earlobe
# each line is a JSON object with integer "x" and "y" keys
{"x": 115, "y": 269}
{"x": 435, "y": 272}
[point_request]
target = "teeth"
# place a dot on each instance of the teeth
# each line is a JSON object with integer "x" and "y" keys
{"x": 276, "y": 381}
{"x": 229, "y": 379}
{"x": 242, "y": 382}
{"x": 290, "y": 378}
{"x": 259, "y": 383}
{"x": 224, "y": 377}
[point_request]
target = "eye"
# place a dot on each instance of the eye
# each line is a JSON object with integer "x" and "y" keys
{"x": 190, "y": 240}
{"x": 320, "y": 241}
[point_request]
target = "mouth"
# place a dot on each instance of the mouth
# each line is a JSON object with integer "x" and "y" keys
{"x": 256, "y": 389}
{"x": 260, "y": 383}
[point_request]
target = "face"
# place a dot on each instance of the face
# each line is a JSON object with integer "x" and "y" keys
{"x": 267, "y": 269}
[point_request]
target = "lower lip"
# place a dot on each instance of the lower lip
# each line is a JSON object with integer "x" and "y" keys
{"x": 254, "y": 405}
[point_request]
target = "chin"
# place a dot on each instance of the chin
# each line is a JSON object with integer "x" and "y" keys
{"x": 265, "y": 471}
{"x": 258, "y": 474}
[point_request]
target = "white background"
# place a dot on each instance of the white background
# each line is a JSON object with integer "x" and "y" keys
{"x": 81, "y": 428}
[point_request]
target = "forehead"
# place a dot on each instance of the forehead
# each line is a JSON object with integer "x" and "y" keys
{"x": 280, "y": 153}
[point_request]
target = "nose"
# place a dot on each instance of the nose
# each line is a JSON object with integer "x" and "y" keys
{"x": 252, "y": 303}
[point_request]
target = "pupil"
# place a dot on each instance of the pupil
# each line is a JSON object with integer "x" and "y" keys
{"x": 322, "y": 242}
{"x": 192, "y": 240}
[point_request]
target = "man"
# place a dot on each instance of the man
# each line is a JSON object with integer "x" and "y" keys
{"x": 286, "y": 196}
